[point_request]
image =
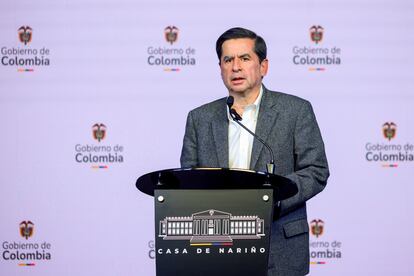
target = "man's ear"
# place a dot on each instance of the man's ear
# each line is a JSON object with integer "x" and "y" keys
{"x": 264, "y": 66}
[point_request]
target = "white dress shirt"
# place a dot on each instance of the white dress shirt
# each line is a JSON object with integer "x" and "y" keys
{"x": 240, "y": 141}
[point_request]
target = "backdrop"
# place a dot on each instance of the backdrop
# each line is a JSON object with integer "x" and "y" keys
{"x": 95, "y": 93}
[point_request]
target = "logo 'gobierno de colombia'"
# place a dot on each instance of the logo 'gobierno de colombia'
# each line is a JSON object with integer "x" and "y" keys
{"x": 316, "y": 55}
{"x": 26, "y": 252}
{"x": 27, "y": 57}
{"x": 322, "y": 250}
{"x": 390, "y": 153}
{"x": 99, "y": 156}
{"x": 175, "y": 57}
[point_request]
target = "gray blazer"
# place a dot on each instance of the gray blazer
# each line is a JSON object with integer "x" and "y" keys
{"x": 287, "y": 123}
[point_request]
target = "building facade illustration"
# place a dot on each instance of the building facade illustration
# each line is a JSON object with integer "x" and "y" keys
{"x": 211, "y": 226}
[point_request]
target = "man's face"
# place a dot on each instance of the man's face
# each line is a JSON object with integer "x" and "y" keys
{"x": 241, "y": 70}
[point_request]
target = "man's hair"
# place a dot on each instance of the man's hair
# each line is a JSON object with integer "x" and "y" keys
{"x": 259, "y": 44}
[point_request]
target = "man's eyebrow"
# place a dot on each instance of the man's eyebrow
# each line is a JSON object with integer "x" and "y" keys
{"x": 228, "y": 57}
{"x": 239, "y": 56}
{"x": 244, "y": 55}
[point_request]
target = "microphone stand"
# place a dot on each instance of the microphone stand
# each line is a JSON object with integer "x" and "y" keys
{"x": 270, "y": 167}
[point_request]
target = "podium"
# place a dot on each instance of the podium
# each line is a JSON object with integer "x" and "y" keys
{"x": 213, "y": 221}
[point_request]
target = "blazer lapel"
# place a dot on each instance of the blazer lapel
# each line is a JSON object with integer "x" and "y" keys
{"x": 220, "y": 130}
{"x": 265, "y": 122}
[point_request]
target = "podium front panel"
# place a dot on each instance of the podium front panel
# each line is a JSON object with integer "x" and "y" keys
{"x": 212, "y": 232}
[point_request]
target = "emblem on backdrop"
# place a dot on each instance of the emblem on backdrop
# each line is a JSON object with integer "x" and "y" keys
{"x": 317, "y": 227}
{"x": 389, "y": 130}
{"x": 25, "y": 34}
{"x": 99, "y": 132}
{"x": 316, "y": 33}
{"x": 171, "y": 34}
{"x": 26, "y": 229}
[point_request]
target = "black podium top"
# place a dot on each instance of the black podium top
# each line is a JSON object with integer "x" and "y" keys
{"x": 215, "y": 178}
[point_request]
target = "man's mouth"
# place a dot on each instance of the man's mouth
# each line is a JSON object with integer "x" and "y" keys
{"x": 237, "y": 80}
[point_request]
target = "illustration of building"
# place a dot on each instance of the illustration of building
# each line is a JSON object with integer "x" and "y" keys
{"x": 211, "y": 226}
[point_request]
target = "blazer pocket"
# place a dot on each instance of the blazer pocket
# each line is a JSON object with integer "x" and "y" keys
{"x": 296, "y": 228}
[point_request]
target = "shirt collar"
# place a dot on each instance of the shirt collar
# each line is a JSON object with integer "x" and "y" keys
{"x": 259, "y": 98}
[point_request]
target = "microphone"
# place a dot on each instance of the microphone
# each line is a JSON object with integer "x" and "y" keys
{"x": 233, "y": 112}
{"x": 237, "y": 118}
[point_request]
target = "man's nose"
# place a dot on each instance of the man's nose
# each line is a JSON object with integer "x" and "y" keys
{"x": 236, "y": 65}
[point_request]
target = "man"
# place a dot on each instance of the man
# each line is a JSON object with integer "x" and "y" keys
{"x": 287, "y": 123}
